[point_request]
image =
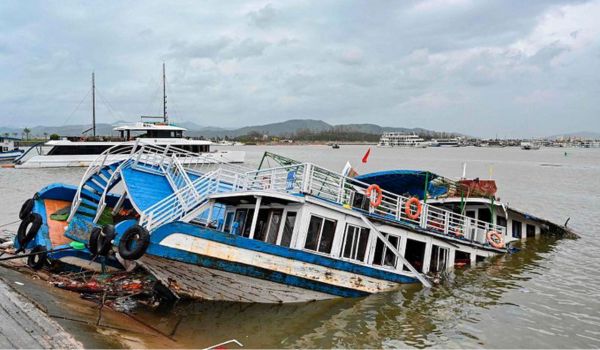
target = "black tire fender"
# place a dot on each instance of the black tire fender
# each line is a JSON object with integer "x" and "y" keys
{"x": 26, "y": 209}
{"x": 37, "y": 261}
{"x": 100, "y": 240}
{"x": 25, "y": 235}
{"x": 134, "y": 242}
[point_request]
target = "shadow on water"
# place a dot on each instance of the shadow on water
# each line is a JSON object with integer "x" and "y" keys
{"x": 410, "y": 316}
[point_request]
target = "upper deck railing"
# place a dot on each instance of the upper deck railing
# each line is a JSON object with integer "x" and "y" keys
{"x": 351, "y": 193}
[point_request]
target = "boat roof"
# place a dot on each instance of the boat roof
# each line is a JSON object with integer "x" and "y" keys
{"x": 145, "y": 126}
{"x": 162, "y": 141}
{"x": 411, "y": 182}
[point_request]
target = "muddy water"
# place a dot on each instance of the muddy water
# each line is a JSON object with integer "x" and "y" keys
{"x": 548, "y": 295}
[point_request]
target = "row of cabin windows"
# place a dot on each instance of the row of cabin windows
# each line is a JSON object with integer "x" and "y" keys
{"x": 268, "y": 225}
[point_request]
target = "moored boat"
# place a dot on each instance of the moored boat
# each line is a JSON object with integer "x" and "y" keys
{"x": 8, "y": 151}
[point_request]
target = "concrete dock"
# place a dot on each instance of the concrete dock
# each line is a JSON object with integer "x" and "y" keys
{"x": 25, "y": 326}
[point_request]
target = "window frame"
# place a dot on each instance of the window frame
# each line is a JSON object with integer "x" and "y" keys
{"x": 358, "y": 231}
{"x": 320, "y": 235}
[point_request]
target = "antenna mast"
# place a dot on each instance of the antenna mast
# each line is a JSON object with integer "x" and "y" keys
{"x": 166, "y": 119}
{"x": 93, "y": 104}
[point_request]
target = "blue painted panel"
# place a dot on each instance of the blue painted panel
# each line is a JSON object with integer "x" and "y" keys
{"x": 300, "y": 255}
{"x": 145, "y": 189}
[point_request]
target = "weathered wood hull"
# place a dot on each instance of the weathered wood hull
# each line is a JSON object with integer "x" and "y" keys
{"x": 197, "y": 262}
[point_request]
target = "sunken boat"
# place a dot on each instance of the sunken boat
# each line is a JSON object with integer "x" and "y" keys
{"x": 292, "y": 232}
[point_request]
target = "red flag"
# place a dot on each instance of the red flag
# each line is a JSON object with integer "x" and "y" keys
{"x": 366, "y": 156}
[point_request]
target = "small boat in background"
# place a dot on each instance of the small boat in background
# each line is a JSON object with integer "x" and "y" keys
{"x": 8, "y": 151}
{"x": 335, "y": 146}
{"x": 530, "y": 145}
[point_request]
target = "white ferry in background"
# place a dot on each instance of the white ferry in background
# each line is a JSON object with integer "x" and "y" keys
{"x": 8, "y": 151}
{"x": 67, "y": 153}
{"x": 449, "y": 142}
{"x": 398, "y": 139}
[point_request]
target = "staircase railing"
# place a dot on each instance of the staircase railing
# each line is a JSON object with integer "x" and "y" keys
{"x": 181, "y": 202}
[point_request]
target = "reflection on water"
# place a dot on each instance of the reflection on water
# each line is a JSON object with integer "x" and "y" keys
{"x": 411, "y": 316}
{"x": 545, "y": 296}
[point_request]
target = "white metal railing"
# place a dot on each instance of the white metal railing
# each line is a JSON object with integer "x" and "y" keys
{"x": 181, "y": 203}
{"x": 351, "y": 193}
{"x": 150, "y": 157}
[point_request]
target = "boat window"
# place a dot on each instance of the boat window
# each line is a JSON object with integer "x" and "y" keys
{"x": 517, "y": 227}
{"x": 501, "y": 221}
{"x": 485, "y": 215}
{"x": 360, "y": 201}
{"x": 355, "y": 242}
{"x": 383, "y": 255}
{"x": 530, "y": 230}
{"x": 228, "y": 221}
{"x": 470, "y": 213}
{"x": 78, "y": 150}
{"x": 267, "y": 225}
{"x": 415, "y": 254}
{"x": 242, "y": 222}
{"x": 262, "y": 224}
{"x": 288, "y": 229}
{"x": 320, "y": 234}
{"x": 439, "y": 259}
{"x": 248, "y": 223}
{"x": 479, "y": 259}
{"x": 461, "y": 258}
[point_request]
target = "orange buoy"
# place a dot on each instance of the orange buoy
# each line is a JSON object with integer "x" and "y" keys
{"x": 408, "y": 208}
{"x": 369, "y": 191}
{"x": 495, "y": 239}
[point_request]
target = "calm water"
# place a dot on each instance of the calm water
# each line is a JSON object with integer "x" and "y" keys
{"x": 546, "y": 296}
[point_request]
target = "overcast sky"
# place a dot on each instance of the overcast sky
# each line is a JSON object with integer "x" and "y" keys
{"x": 485, "y": 68}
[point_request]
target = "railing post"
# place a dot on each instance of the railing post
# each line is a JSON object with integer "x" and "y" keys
{"x": 306, "y": 177}
{"x": 424, "y": 216}
{"x": 399, "y": 208}
{"x": 446, "y": 221}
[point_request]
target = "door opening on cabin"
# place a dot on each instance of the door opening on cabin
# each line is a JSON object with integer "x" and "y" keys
{"x": 384, "y": 256}
{"x": 530, "y": 230}
{"x": 415, "y": 254}
{"x": 439, "y": 259}
{"x": 461, "y": 259}
{"x": 516, "y": 229}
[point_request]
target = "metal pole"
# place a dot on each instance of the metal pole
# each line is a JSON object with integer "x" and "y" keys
{"x": 166, "y": 119}
{"x": 93, "y": 104}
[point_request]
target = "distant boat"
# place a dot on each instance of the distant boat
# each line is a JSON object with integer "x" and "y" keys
{"x": 335, "y": 146}
{"x": 8, "y": 151}
{"x": 398, "y": 139}
{"x": 529, "y": 145}
{"x": 451, "y": 142}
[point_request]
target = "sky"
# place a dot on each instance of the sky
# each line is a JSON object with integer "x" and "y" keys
{"x": 484, "y": 68}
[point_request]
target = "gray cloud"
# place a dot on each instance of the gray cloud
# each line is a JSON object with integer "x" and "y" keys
{"x": 511, "y": 68}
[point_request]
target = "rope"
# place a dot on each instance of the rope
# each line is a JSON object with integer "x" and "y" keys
{"x": 76, "y": 108}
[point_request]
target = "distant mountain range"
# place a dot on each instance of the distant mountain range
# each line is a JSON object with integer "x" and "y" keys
{"x": 283, "y": 129}
{"x": 581, "y": 134}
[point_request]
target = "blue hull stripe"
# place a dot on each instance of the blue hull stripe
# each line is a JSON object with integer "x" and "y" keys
{"x": 259, "y": 246}
{"x": 251, "y": 271}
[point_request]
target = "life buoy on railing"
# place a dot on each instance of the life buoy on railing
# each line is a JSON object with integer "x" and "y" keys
{"x": 413, "y": 215}
{"x": 457, "y": 231}
{"x": 377, "y": 201}
{"x": 495, "y": 239}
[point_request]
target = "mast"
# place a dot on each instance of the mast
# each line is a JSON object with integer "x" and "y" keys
{"x": 166, "y": 119}
{"x": 93, "y": 104}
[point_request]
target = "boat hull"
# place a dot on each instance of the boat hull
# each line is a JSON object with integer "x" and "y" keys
{"x": 197, "y": 262}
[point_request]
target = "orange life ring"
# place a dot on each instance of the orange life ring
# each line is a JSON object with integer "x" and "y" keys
{"x": 377, "y": 201}
{"x": 495, "y": 239}
{"x": 457, "y": 231}
{"x": 408, "y": 210}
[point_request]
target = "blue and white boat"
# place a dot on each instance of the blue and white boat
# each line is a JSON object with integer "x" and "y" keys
{"x": 8, "y": 151}
{"x": 292, "y": 233}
